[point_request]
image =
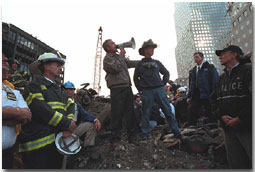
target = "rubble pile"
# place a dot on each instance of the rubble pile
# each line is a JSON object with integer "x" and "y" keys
{"x": 201, "y": 148}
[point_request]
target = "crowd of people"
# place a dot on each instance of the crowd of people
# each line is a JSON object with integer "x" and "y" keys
{"x": 44, "y": 107}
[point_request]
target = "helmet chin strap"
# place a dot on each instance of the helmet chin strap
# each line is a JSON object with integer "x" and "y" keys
{"x": 66, "y": 146}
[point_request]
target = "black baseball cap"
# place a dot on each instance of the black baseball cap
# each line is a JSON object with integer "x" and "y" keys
{"x": 232, "y": 48}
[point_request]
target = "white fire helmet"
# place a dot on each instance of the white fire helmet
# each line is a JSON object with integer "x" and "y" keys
{"x": 68, "y": 146}
{"x": 50, "y": 57}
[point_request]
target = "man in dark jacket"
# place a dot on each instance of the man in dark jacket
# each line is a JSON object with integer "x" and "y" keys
{"x": 118, "y": 81}
{"x": 148, "y": 81}
{"x": 202, "y": 80}
{"x": 232, "y": 104}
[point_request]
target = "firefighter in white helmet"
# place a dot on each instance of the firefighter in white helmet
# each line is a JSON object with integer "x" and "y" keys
{"x": 51, "y": 114}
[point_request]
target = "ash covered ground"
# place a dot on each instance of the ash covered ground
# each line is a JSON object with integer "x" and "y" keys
{"x": 202, "y": 148}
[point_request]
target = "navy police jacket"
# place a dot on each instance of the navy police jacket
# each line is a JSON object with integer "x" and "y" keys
{"x": 233, "y": 96}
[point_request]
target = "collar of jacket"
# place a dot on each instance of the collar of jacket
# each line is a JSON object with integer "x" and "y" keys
{"x": 147, "y": 59}
{"x": 234, "y": 68}
{"x": 111, "y": 54}
{"x": 204, "y": 65}
{"x": 44, "y": 81}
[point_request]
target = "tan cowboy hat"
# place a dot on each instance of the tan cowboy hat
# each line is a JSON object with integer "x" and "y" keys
{"x": 146, "y": 44}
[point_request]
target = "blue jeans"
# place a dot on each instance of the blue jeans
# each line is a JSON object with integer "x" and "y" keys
{"x": 148, "y": 98}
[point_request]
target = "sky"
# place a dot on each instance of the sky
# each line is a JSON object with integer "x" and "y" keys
{"x": 71, "y": 26}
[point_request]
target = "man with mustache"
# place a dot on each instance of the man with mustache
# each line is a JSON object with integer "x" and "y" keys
{"x": 51, "y": 111}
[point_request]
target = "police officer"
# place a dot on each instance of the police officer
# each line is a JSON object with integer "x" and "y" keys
{"x": 50, "y": 108}
{"x": 232, "y": 104}
{"x": 14, "y": 111}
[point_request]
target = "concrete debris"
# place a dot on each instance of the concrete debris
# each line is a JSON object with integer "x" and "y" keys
{"x": 201, "y": 148}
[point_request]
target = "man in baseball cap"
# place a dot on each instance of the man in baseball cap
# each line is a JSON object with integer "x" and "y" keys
{"x": 232, "y": 104}
{"x": 232, "y": 48}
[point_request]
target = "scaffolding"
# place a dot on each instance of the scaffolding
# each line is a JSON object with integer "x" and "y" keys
{"x": 98, "y": 62}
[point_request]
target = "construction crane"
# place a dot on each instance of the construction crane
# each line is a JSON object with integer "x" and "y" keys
{"x": 98, "y": 62}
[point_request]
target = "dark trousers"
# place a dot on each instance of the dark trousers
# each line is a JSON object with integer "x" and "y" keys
{"x": 44, "y": 158}
{"x": 7, "y": 158}
{"x": 239, "y": 149}
{"x": 122, "y": 109}
{"x": 198, "y": 108}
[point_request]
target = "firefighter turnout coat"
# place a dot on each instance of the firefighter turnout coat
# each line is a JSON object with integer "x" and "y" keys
{"x": 19, "y": 78}
{"x": 52, "y": 112}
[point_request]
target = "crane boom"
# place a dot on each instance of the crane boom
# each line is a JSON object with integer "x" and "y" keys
{"x": 98, "y": 62}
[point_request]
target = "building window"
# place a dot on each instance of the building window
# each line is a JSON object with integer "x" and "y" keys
{"x": 234, "y": 23}
{"x": 240, "y": 4}
{"x": 238, "y": 40}
{"x": 246, "y": 44}
{"x": 250, "y": 31}
{"x": 240, "y": 18}
{"x": 251, "y": 8}
{"x": 244, "y": 35}
{"x": 11, "y": 35}
{"x": 245, "y": 13}
{"x": 247, "y": 22}
{"x": 236, "y": 32}
{"x": 241, "y": 27}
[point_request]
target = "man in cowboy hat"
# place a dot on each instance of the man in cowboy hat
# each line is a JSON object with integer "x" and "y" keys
{"x": 148, "y": 81}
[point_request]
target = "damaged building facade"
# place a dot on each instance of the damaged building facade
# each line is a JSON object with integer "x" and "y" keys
{"x": 26, "y": 48}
